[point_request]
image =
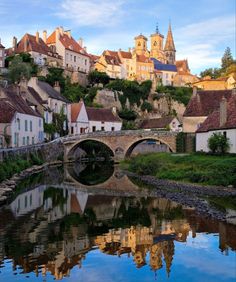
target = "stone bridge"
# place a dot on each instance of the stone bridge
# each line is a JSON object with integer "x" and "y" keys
{"x": 121, "y": 143}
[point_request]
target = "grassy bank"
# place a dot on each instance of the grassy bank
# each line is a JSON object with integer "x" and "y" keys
{"x": 195, "y": 168}
{"x": 16, "y": 165}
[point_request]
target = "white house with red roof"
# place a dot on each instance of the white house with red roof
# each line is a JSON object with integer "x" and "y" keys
{"x": 20, "y": 125}
{"x": 79, "y": 119}
{"x": 75, "y": 56}
{"x": 221, "y": 120}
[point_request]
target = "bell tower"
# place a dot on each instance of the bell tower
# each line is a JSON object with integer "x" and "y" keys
{"x": 170, "y": 48}
{"x": 157, "y": 45}
{"x": 140, "y": 44}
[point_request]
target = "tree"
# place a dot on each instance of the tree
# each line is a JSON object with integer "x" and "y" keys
{"x": 55, "y": 74}
{"x": 146, "y": 106}
{"x": 218, "y": 143}
{"x": 212, "y": 72}
{"x": 227, "y": 59}
{"x": 96, "y": 77}
{"x": 19, "y": 70}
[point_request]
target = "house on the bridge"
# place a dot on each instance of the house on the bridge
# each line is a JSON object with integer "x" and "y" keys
{"x": 222, "y": 120}
{"x": 163, "y": 123}
{"x": 20, "y": 124}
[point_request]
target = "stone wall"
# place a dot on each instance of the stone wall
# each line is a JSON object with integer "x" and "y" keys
{"x": 108, "y": 99}
{"x": 49, "y": 152}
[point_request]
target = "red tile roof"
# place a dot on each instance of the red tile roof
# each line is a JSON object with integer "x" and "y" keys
{"x": 52, "y": 38}
{"x": 7, "y": 112}
{"x": 205, "y": 102}
{"x": 156, "y": 123}
{"x": 125, "y": 55}
{"x": 28, "y": 43}
{"x": 112, "y": 60}
{"x": 96, "y": 114}
{"x": 213, "y": 120}
{"x": 143, "y": 59}
{"x": 75, "y": 110}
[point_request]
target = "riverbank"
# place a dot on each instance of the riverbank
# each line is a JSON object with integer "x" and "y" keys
{"x": 194, "y": 168}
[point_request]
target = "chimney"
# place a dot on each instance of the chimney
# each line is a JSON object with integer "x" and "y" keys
{"x": 23, "y": 85}
{"x": 80, "y": 41}
{"x": 14, "y": 43}
{"x": 45, "y": 36}
{"x": 85, "y": 49}
{"x": 25, "y": 44}
{"x": 194, "y": 90}
{"x": 129, "y": 50}
{"x": 114, "y": 111}
{"x": 68, "y": 32}
{"x": 57, "y": 87}
{"x": 223, "y": 111}
{"x": 57, "y": 33}
{"x": 37, "y": 37}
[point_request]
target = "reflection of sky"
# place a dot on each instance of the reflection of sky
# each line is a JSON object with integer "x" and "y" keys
{"x": 199, "y": 259}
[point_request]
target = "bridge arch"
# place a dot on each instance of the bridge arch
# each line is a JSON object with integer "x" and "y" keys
{"x": 139, "y": 141}
{"x": 71, "y": 152}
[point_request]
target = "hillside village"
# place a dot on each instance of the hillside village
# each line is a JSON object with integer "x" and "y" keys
{"x": 51, "y": 86}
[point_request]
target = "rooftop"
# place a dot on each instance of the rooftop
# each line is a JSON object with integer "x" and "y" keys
{"x": 156, "y": 123}
{"x": 163, "y": 67}
{"x": 105, "y": 115}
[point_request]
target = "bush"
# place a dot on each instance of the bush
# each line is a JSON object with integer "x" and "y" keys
{"x": 218, "y": 143}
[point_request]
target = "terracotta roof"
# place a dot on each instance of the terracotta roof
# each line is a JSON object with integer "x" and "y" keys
{"x": 94, "y": 57}
{"x": 125, "y": 55}
{"x": 75, "y": 206}
{"x": 7, "y": 112}
{"x": 143, "y": 59}
{"x": 52, "y": 93}
{"x": 213, "y": 120}
{"x": 75, "y": 110}
{"x": 156, "y": 123}
{"x": 29, "y": 43}
{"x": 112, "y": 60}
{"x": 96, "y": 114}
{"x": 52, "y": 38}
{"x": 205, "y": 102}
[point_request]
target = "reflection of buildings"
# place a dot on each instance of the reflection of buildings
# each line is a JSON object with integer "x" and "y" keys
{"x": 54, "y": 223}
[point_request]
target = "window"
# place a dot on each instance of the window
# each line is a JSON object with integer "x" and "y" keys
{"x": 75, "y": 59}
{"x": 26, "y": 125}
{"x": 1, "y": 142}
{"x": 18, "y": 123}
{"x": 113, "y": 128}
{"x": 31, "y": 126}
{"x": 225, "y": 134}
{"x": 40, "y": 122}
{"x": 23, "y": 141}
{"x": 94, "y": 128}
{"x": 102, "y": 128}
{"x": 26, "y": 201}
{"x": 15, "y": 138}
{"x": 28, "y": 140}
{"x": 32, "y": 140}
{"x": 72, "y": 130}
{"x": 85, "y": 62}
{"x": 30, "y": 199}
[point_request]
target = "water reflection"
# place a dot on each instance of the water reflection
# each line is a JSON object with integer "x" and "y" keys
{"x": 53, "y": 229}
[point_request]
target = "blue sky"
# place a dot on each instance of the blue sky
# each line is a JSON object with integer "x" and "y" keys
{"x": 202, "y": 29}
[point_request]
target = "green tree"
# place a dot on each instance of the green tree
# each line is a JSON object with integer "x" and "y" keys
{"x": 55, "y": 74}
{"x": 127, "y": 114}
{"x": 19, "y": 70}
{"x": 96, "y": 77}
{"x": 227, "y": 59}
{"x": 212, "y": 72}
{"x": 146, "y": 106}
{"x": 218, "y": 143}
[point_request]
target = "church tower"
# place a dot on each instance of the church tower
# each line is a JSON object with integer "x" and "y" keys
{"x": 140, "y": 45}
{"x": 157, "y": 46}
{"x": 170, "y": 48}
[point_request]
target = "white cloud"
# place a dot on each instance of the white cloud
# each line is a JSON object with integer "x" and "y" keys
{"x": 96, "y": 13}
{"x": 202, "y": 42}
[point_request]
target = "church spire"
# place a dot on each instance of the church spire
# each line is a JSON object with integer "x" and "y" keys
{"x": 170, "y": 45}
{"x": 157, "y": 28}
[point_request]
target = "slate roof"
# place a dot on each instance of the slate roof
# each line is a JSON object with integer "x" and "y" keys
{"x": 205, "y": 102}
{"x": 7, "y": 112}
{"x": 36, "y": 95}
{"x": 163, "y": 67}
{"x": 75, "y": 110}
{"x": 213, "y": 120}
{"x": 52, "y": 93}
{"x": 104, "y": 115}
{"x": 156, "y": 123}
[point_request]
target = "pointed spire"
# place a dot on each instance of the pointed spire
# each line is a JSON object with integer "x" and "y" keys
{"x": 170, "y": 45}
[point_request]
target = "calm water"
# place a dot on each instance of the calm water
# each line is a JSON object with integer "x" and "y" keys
{"x": 94, "y": 224}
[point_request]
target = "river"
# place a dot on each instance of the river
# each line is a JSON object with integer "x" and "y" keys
{"x": 92, "y": 222}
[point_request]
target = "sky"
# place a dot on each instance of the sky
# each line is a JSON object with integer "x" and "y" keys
{"x": 202, "y": 29}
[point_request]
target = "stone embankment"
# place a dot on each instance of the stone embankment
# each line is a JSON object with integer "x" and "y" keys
{"x": 8, "y": 186}
{"x": 190, "y": 195}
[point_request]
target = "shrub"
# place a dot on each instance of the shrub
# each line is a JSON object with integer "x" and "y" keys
{"x": 218, "y": 143}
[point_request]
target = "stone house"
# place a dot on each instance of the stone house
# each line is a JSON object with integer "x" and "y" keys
{"x": 200, "y": 106}
{"x": 168, "y": 72}
{"x": 20, "y": 125}
{"x": 163, "y": 123}
{"x": 53, "y": 101}
{"x": 221, "y": 120}
{"x": 37, "y": 48}
{"x": 74, "y": 55}
{"x": 222, "y": 83}
{"x": 184, "y": 77}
